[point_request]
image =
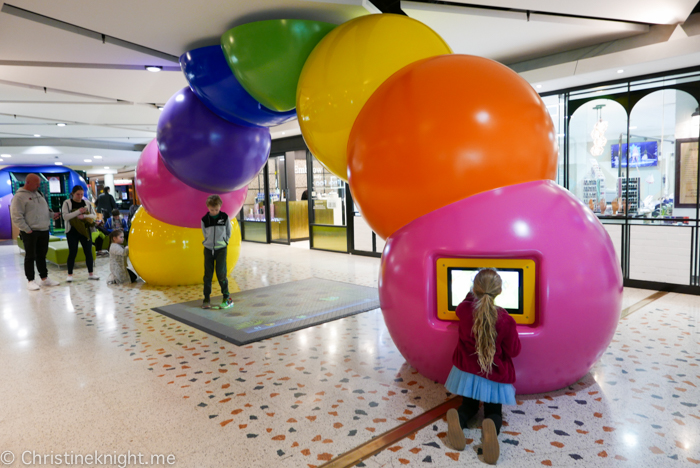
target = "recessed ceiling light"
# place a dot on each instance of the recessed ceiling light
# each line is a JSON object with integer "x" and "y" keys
{"x": 153, "y": 68}
{"x": 58, "y": 163}
{"x": 539, "y": 86}
{"x": 60, "y": 125}
{"x": 97, "y": 157}
{"x": 87, "y": 160}
{"x": 620, "y": 71}
{"x": 5, "y": 155}
{"x": 160, "y": 108}
{"x": 282, "y": 133}
{"x": 37, "y": 135}
{"x": 106, "y": 167}
{"x": 1, "y": 160}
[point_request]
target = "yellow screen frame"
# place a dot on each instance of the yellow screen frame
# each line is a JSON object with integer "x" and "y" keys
{"x": 527, "y": 265}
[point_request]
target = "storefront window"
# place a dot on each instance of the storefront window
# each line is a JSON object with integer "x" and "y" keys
{"x": 328, "y": 195}
{"x": 279, "y": 209}
{"x": 555, "y": 107}
{"x": 596, "y": 129}
{"x": 365, "y": 240}
{"x": 253, "y": 215}
{"x": 658, "y": 123}
{"x": 328, "y": 216}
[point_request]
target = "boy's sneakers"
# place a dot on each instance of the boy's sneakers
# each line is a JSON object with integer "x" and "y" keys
{"x": 93, "y": 277}
{"x": 69, "y": 279}
{"x": 226, "y": 304}
{"x": 48, "y": 282}
{"x": 455, "y": 434}
{"x": 206, "y": 304}
{"x": 489, "y": 441}
{"x": 32, "y": 286}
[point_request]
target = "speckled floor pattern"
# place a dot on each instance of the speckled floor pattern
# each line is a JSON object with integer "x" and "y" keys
{"x": 89, "y": 367}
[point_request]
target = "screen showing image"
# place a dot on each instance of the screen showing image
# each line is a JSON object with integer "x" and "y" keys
{"x": 460, "y": 281}
{"x": 641, "y": 154}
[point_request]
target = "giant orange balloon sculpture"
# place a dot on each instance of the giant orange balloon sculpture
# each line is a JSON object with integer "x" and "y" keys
{"x": 442, "y": 129}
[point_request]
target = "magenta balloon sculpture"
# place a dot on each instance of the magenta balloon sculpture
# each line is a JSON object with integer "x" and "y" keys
{"x": 205, "y": 151}
{"x": 169, "y": 200}
{"x": 578, "y": 282}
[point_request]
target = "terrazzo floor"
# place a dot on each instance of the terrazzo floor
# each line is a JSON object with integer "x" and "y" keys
{"x": 88, "y": 367}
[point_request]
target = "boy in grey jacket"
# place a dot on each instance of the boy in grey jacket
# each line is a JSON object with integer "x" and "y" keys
{"x": 216, "y": 228}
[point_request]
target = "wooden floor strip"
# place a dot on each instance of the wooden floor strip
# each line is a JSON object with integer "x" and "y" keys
{"x": 643, "y": 303}
{"x": 389, "y": 438}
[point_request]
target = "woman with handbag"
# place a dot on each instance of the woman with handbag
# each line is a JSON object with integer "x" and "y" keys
{"x": 80, "y": 218}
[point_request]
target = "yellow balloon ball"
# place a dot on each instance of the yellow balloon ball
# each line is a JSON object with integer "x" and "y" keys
{"x": 168, "y": 255}
{"x": 343, "y": 71}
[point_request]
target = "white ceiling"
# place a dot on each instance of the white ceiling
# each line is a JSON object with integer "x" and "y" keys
{"x": 50, "y": 74}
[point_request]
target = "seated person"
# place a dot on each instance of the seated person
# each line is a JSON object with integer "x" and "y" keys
{"x": 101, "y": 238}
{"x": 118, "y": 222}
{"x": 118, "y": 271}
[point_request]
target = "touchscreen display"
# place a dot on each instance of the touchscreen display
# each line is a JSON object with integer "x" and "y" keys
{"x": 460, "y": 281}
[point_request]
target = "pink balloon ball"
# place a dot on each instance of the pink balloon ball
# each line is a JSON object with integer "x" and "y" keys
{"x": 578, "y": 281}
{"x": 171, "y": 201}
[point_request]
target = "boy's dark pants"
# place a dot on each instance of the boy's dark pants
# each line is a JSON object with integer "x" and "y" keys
{"x": 212, "y": 260}
{"x": 470, "y": 407}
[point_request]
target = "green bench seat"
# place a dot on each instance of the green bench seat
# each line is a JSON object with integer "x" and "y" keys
{"x": 58, "y": 253}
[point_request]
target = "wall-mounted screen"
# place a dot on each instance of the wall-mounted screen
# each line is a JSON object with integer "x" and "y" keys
{"x": 455, "y": 277}
{"x": 460, "y": 281}
{"x": 641, "y": 154}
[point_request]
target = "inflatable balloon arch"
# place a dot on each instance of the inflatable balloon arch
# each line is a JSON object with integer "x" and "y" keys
{"x": 445, "y": 154}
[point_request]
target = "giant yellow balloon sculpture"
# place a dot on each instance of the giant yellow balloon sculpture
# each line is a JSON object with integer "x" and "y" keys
{"x": 164, "y": 254}
{"x": 343, "y": 71}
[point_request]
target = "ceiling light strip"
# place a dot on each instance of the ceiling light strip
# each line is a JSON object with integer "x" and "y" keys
{"x": 51, "y": 121}
{"x": 97, "y": 66}
{"x": 407, "y": 5}
{"x": 59, "y": 91}
{"x": 70, "y": 142}
{"x": 104, "y": 38}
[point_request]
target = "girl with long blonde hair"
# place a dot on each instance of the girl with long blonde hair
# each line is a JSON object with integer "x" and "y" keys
{"x": 482, "y": 369}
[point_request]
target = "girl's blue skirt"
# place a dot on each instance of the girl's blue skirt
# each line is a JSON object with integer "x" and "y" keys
{"x": 479, "y": 388}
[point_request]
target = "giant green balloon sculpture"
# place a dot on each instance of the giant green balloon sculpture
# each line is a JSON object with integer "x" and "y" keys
{"x": 267, "y": 57}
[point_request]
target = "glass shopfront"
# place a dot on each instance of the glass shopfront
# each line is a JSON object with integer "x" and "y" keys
{"x": 365, "y": 241}
{"x": 629, "y": 151}
{"x": 253, "y": 214}
{"x": 327, "y": 208}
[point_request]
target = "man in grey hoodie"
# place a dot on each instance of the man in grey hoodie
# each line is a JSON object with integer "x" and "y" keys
{"x": 31, "y": 214}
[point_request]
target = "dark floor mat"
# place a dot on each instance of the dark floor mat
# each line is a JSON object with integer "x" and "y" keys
{"x": 261, "y": 313}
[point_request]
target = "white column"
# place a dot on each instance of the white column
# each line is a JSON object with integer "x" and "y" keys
{"x": 109, "y": 182}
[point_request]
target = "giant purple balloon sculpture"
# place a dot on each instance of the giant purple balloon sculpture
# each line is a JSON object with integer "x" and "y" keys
{"x": 205, "y": 151}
